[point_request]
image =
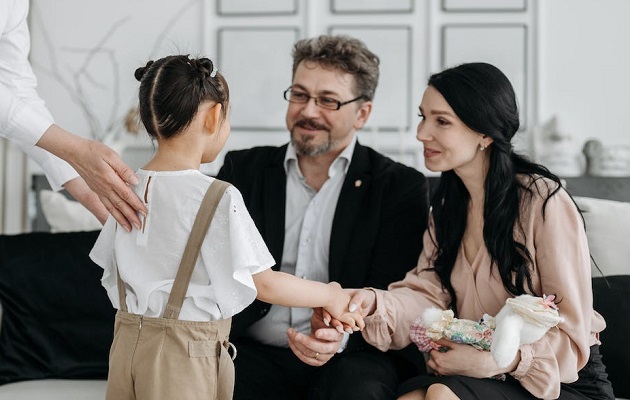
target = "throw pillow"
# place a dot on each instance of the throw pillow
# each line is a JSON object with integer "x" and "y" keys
{"x": 57, "y": 321}
{"x": 610, "y": 299}
{"x": 64, "y": 215}
{"x": 607, "y": 228}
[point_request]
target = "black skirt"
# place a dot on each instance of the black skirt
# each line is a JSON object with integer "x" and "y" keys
{"x": 592, "y": 384}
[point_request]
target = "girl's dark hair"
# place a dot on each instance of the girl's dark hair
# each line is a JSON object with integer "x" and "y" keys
{"x": 483, "y": 98}
{"x": 171, "y": 90}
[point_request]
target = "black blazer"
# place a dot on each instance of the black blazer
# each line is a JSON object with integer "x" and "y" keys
{"x": 378, "y": 225}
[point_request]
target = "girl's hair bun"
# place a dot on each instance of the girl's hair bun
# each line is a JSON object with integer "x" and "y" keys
{"x": 142, "y": 70}
{"x": 205, "y": 67}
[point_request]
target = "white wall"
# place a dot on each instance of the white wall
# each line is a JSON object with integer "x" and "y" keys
{"x": 584, "y": 75}
{"x": 581, "y": 72}
{"x": 85, "y": 53}
{"x": 576, "y": 62}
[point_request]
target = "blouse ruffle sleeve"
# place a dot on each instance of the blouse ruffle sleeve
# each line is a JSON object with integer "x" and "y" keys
{"x": 563, "y": 266}
{"x": 103, "y": 255}
{"x": 398, "y": 307}
{"x": 234, "y": 251}
{"x": 538, "y": 370}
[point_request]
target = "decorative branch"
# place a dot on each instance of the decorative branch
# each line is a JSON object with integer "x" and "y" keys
{"x": 76, "y": 86}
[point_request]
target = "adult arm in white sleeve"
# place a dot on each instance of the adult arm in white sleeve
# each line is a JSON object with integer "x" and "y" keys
{"x": 25, "y": 120}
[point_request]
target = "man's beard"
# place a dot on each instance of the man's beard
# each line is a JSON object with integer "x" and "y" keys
{"x": 304, "y": 146}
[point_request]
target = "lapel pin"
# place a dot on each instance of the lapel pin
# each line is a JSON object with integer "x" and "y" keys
{"x": 357, "y": 183}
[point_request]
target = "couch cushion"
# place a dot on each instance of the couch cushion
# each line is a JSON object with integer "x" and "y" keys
{"x": 65, "y": 215}
{"x": 608, "y": 229}
{"x": 611, "y": 298}
{"x": 57, "y": 321}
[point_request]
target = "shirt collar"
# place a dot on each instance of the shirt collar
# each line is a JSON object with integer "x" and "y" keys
{"x": 290, "y": 158}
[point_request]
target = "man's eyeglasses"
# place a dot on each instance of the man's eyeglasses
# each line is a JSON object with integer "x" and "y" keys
{"x": 299, "y": 97}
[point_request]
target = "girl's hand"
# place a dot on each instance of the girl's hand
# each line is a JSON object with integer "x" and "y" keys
{"x": 463, "y": 359}
{"x": 338, "y": 309}
{"x": 362, "y": 301}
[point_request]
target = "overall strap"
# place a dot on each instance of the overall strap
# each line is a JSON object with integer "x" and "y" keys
{"x": 193, "y": 246}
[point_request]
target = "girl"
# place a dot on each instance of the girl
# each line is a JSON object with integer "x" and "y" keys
{"x": 500, "y": 226}
{"x": 171, "y": 330}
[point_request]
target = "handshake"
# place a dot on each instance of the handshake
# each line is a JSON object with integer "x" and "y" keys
{"x": 343, "y": 313}
{"x": 340, "y": 313}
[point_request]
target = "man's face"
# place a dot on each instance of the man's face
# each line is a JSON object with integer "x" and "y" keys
{"x": 316, "y": 130}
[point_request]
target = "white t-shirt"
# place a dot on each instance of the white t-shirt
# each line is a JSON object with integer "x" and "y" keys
{"x": 148, "y": 259}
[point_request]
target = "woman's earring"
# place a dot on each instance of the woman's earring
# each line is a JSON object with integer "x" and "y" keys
{"x": 482, "y": 147}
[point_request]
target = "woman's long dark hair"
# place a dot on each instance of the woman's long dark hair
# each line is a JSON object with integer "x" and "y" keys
{"x": 483, "y": 98}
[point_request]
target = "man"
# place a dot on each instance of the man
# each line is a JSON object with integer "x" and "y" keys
{"x": 329, "y": 209}
{"x": 102, "y": 186}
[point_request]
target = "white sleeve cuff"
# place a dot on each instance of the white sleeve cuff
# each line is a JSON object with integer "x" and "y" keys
{"x": 344, "y": 342}
{"x": 57, "y": 171}
{"x": 26, "y": 123}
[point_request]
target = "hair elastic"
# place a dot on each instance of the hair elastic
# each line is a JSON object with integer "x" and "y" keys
{"x": 214, "y": 71}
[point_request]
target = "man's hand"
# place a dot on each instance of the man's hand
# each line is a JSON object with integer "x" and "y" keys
{"x": 103, "y": 171}
{"x": 320, "y": 346}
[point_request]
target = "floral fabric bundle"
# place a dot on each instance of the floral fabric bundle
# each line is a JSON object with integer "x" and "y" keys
{"x": 436, "y": 324}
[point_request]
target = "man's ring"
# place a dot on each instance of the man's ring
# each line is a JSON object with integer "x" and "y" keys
{"x": 316, "y": 355}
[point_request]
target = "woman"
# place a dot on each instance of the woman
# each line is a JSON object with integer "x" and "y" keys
{"x": 500, "y": 226}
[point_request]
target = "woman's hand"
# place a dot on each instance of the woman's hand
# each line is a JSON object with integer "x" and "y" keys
{"x": 361, "y": 300}
{"x": 103, "y": 171}
{"x": 84, "y": 195}
{"x": 463, "y": 359}
{"x": 109, "y": 177}
{"x": 338, "y": 308}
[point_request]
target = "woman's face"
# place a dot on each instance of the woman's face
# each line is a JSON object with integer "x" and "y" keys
{"x": 448, "y": 143}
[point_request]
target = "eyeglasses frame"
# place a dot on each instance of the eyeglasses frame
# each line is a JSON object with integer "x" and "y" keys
{"x": 339, "y": 103}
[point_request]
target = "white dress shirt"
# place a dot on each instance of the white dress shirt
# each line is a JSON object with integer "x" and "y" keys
{"x": 23, "y": 116}
{"x": 308, "y": 222}
{"x": 148, "y": 259}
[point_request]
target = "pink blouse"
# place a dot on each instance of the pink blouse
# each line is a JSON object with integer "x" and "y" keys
{"x": 559, "y": 248}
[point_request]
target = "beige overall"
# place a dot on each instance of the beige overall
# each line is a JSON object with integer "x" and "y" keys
{"x": 168, "y": 359}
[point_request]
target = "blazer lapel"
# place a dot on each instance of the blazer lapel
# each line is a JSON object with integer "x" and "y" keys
{"x": 274, "y": 196}
{"x": 353, "y": 191}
